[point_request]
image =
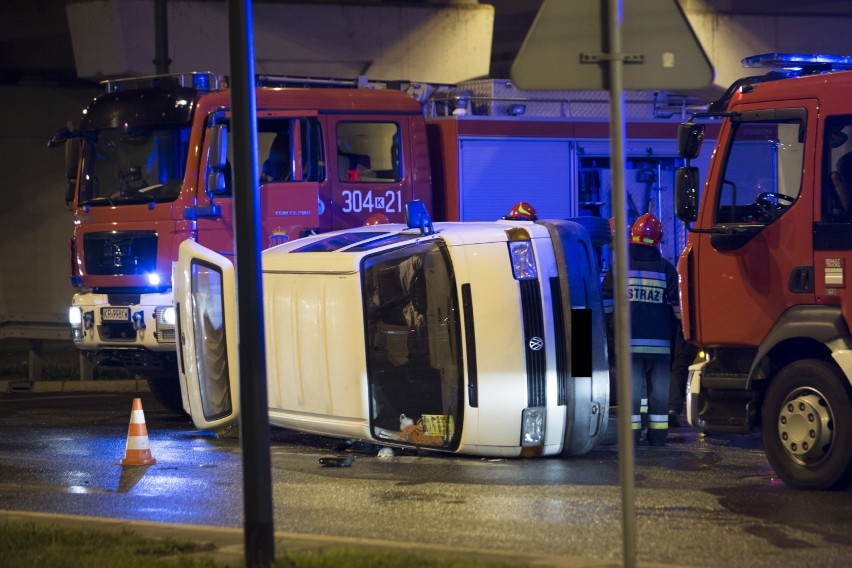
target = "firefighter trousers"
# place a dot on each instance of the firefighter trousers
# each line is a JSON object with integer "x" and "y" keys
{"x": 651, "y": 375}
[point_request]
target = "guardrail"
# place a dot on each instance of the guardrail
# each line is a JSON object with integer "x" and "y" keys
{"x": 36, "y": 329}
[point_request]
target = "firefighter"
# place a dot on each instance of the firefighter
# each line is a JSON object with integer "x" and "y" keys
{"x": 376, "y": 219}
{"x": 654, "y": 308}
{"x": 522, "y": 211}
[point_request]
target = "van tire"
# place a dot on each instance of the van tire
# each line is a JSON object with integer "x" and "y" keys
{"x": 597, "y": 227}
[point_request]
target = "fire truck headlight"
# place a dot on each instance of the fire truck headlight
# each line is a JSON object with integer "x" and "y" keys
{"x": 75, "y": 316}
{"x": 167, "y": 315}
{"x": 523, "y": 260}
{"x": 154, "y": 279}
{"x": 165, "y": 318}
{"x": 532, "y": 426}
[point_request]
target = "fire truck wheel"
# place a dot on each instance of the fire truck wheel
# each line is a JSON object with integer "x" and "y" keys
{"x": 807, "y": 426}
{"x": 166, "y": 389}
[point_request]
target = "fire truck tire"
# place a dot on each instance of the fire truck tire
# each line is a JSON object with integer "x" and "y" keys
{"x": 807, "y": 426}
{"x": 166, "y": 389}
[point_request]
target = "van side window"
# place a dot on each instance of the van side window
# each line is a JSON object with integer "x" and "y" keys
{"x": 762, "y": 175}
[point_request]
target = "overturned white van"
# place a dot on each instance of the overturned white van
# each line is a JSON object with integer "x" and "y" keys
{"x": 476, "y": 338}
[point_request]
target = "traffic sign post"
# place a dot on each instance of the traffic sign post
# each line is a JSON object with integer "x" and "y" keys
{"x": 254, "y": 408}
{"x": 578, "y": 45}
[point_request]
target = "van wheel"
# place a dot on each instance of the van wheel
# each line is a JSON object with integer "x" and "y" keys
{"x": 597, "y": 227}
{"x": 610, "y": 437}
{"x": 807, "y": 426}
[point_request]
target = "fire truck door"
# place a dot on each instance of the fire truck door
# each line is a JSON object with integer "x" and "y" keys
{"x": 758, "y": 205}
{"x": 366, "y": 155}
{"x": 833, "y": 231}
{"x": 290, "y": 168}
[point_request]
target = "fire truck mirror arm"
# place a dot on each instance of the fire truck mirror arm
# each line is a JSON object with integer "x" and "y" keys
{"x": 725, "y": 237}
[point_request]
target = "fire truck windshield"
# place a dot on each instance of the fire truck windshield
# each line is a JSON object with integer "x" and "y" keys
{"x": 124, "y": 166}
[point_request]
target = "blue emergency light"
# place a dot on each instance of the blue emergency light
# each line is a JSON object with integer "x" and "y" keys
{"x": 799, "y": 62}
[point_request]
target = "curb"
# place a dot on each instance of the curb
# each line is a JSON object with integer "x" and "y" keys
{"x": 124, "y": 385}
{"x": 226, "y": 545}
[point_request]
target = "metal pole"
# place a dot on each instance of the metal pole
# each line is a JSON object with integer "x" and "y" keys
{"x": 161, "y": 37}
{"x": 254, "y": 407}
{"x": 622, "y": 312}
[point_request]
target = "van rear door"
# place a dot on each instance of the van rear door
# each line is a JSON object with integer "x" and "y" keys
{"x": 205, "y": 296}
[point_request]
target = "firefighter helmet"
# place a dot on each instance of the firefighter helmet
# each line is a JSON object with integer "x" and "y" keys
{"x": 647, "y": 230}
{"x": 376, "y": 219}
{"x": 522, "y": 211}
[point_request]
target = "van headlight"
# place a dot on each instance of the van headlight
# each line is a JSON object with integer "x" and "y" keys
{"x": 164, "y": 316}
{"x": 523, "y": 260}
{"x": 532, "y": 426}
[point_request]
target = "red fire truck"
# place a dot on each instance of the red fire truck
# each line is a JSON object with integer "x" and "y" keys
{"x": 763, "y": 275}
{"x": 150, "y": 167}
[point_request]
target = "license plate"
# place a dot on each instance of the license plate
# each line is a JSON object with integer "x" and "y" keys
{"x": 115, "y": 314}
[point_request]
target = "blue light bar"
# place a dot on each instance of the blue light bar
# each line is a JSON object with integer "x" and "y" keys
{"x": 798, "y": 61}
{"x": 201, "y": 81}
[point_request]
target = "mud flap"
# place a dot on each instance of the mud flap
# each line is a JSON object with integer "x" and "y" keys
{"x": 586, "y": 373}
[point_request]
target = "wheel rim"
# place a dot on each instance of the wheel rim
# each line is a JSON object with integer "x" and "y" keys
{"x": 805, "y": 426}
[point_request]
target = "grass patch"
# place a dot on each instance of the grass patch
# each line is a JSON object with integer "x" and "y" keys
{"x": 23, "y": 545}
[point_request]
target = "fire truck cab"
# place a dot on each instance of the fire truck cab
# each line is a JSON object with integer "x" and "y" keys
{"x": 764, "y": 272}
{"x": 150, "y": 167}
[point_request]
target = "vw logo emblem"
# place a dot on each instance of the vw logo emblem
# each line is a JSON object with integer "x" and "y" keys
{"x": 536, "y": 343}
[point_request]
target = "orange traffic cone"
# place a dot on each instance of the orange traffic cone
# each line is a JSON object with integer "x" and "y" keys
{"x": 137, "y": 452}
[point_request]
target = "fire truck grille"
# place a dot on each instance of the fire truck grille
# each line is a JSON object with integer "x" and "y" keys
{"x": 560, "y": 337}
{"x": 536, "y": 357}
{"x": 121, "y": 253}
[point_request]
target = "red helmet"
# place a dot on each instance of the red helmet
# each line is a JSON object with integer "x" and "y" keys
{"x": 376, "y": 219}
{"x": 647, "y": 230}
{"x": 522, "y": 211}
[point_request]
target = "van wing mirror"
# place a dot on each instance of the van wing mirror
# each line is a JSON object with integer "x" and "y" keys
{"x": 690, "y": 135}
{"x": 686, "y": 193}
{"x": 416, "y": 217}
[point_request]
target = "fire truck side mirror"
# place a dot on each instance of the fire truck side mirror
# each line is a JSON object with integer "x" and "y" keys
{"x": 218, "y": 146}
{"x": 686, "y": 193}
{"x": 690, "y": 135}
{"x": 72, "y": 162}
{"x": 217, "y": 160}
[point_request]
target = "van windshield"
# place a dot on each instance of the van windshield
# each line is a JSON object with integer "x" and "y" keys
{"x": 414, "y": 359}
{"x": 132, "y": 166}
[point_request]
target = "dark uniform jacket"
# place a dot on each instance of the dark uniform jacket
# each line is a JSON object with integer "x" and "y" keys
{"x": 653, "y": 297}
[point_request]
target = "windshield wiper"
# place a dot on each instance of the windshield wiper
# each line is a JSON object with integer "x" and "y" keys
{"x": 95, "y": 201}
